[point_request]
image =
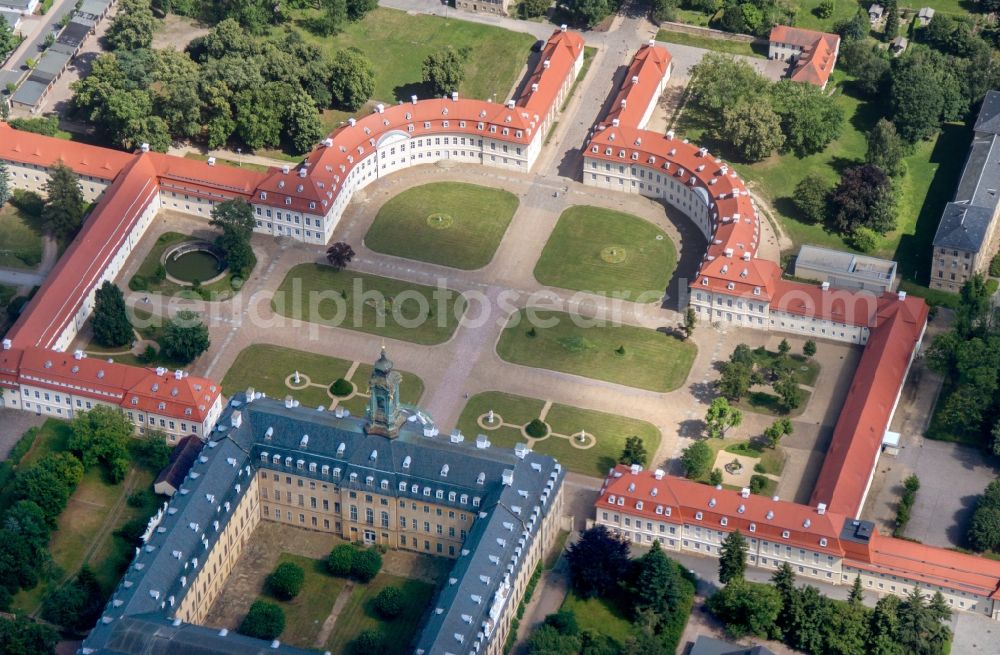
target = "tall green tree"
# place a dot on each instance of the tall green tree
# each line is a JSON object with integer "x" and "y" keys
{"x": 655, "y": 585}
{"x": 916, "y": 98}
{"x": 811, "y": 197}
{"x": 588, "y": 13}
{"x": 732, "y": 557}
{"x": 697, "y": 460}
{"x": 110, "y": 320}
{"x": 774, "y": 432}
{"x": 352, "y": 79}
{"x": 747, "y": 608}
{"x": 185, "y": 337}
{"x": 444, "y": 70}
{"x": 23, "y": 636}
{"x": 810, "y": 119}
{"x": 886, "y": 149}
{"x": 236, "y": 221}
{"x": 100, "y": 436}
{"x": 753, "y": 129}
{"x": 8, "y": 40}
{"x": 883, "y": 628}
{"x": 64, "y": 206}
{"x": 720, "y": 417}
{"x": 597, "y": 562}
{"x": 720, "y": 81}
{"x": 634, "y": 452}
{"x": 864, "y": 198}
{"x": 302, "y": 124}
{"x": 132, "y": 27}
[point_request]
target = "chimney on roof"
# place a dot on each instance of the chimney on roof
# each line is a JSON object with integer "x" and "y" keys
{"x": 545, "y": 64}
{"x": 454, "y": 96}
{"x": 380, "y": 108}
{"x": 635, "y": 79}
{"x": 510, "y": 104}
{"x": 901, "y": 295}
{"x": 615, "y": 122}
{"x": 178, "y": 374}
{"x": 285, "y": 168}
{"x": 745, "y": 492}
{"x": 328, "y": 142}
{"x": 635, "y": 468}
{"x": 211, "y": 161}
{"x": 825, "y": 286}
{"x": 658, "y": 474}
{"x": 160, "y": 370}
{"x": 670, "y": 134}
{"x": 144, "y": 147}
{"x": 821, "y": 509}
{"x": 624, "y": 102}
{"x": 351, "y": 122}
{"x": 413, "y": 99}
{"x": 6, "y": 344}
{"x": 77, "y": 354}
{"x": 534, "y": 87}
{"x": 652, "y": 42}
{"x": 303, "y": 172}
{"x": 562, "y": 28}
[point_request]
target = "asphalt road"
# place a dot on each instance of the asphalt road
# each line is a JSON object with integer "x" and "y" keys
{"x": 16, "y": 66}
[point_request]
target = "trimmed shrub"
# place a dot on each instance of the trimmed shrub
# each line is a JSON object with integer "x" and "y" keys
{"x": 995, "y": 265}
{"x": 265, "y": 620}
{"x": 757, "y": 483}
{"x": 389, "y": 603}
{"x": 286, "y": 581}
{"x": 340, "y": 560}
{"x": 341, "y": 388}
{"x": 537, "y": 428}
{"x": 365, "y": 564}
{"x": 27, "y": 201}
{"x": 138, "y": 283}
{"x": 367, "y": 643}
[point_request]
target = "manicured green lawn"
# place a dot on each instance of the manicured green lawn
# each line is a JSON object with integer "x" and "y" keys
{"x": 359, "y": 615}
{"x": 610, "y": 430}
{"x": 607, "y": 252}
{"x": 600, "y": 616}
{"x": 20, "y": 242}
{"x": 772, "y": 460}
{"x": 447, "y": 223}
{"x": 265, "y": 368}
{"x": 397, "y": 43}
{"x": 806, "y": 370}
{"x": 228, "y": 162}
{"x": 305, "y": 614}
{"x": 367, "y": 303}
{"x": 709, "y": 43}
{"x": 651, "y": 360}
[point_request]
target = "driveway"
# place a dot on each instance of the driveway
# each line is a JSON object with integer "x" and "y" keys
{"x": 16, "y": 66}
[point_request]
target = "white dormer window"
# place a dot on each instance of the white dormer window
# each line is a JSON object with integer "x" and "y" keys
{"x": 697, "y": 516}
{"x": 611, "y": 499}
{"x": 822, "y": 542}
{"x": 753, "y": 527}
{"x": 638, "y": 505}
{"x": 785, "y": 534}
{"x": 263, "y": 195}
{"x": 288, "y": 201}
{"x": 724, "y": 521}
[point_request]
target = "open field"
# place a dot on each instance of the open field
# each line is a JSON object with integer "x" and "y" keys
{"x": 359, "y": 615}
{"x": 606, "y": 440}
{"x": 266, "y": 368}
{"x": 20, "y": 242}
{"x": 447, "y": 223}
{"x": 366, "y": 303}
{"x": 623, "y": 354}
{"x": 397, "y": 44}
{"x": 608, "y": 252}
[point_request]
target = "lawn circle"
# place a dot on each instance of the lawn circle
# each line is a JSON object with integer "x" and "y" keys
{"x": 614, "y": 254}
{"x": 486, "y": 425}
{"x": 440, "y": 221}
{"x": 304, "y": 381}
{"x": 587, "y": 441}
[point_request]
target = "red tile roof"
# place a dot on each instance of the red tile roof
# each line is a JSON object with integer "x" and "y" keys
{"x": 819, "y": 52}
{"x": 556, "y": 63}
{"x": 933, "y": 566}
{"x": 30, "y": 148}
{"x": 760, "y": 516}
{"x": 857, "y": 438}
{"x": 157, "y": 391}
{"x": 640, "y": 87}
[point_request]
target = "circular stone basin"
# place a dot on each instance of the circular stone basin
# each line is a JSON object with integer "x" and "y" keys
{"x": 614, "y": 254}
{"x": 200, "y": 264}
{"x": 440, "y": 221}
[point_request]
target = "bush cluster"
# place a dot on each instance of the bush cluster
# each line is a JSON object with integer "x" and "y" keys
{"x": 285, "y": 582}
{"x": 348, "y": 560}
{"x": 537, "y": 428}
{"x": 341, "y": 388}
{"x": 910, "y": 487}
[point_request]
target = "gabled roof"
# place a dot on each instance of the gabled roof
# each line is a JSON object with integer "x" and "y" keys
{"x": 640, "y": 87}
{"x": 819, "y": 52}
{"x": 181, "y": 459}
{"x": 934, "y": 566}
{"x": 31, "y": 148}
{"x": 857, "y": 438}
{"x": 963, "y": 227}
{"x": 989, "y": 113}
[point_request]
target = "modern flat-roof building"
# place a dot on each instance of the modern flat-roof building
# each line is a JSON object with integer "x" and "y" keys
{"x": 966, "y": 237}
{"x": 385, "y": 479}
{"x": 23, "y": 7}
{"x": 812, "y": 54}
{"x": 845, "y": 270}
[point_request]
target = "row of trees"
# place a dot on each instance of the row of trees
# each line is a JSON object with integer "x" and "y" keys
{"x": 652, "y": 590}
{"x": 808, "y": 621}
{"x": 226, "y": 85}
{"x": 257, "y": 16}
{"x": 984, "y": 528}
{"x": 756, "y": 117}
{"x": 968, "y": 357}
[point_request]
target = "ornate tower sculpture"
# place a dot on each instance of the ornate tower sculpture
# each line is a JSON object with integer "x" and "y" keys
{"x": 384, "y": 417}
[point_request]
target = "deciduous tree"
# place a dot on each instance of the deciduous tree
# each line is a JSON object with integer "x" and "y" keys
{"x": 302, "y": 124}
{"x": 753, "y": 129}
{"x": 634, "y": 452}
{"x": 776, "y": 431}
{"x": 444, "y": 69}
{"x": 746, "y": 608}
{"x": 389, "y": 603}
{"x": 132, "y": 27}
{"x": 236, "y": 220}
{"x": 339, "y": 255}
{"x": 720, "y": 417}
{"x": 886, "y": 149}
{"x": 4, "y": 184}
{"x": 697, "y": 459}
{"x": 811, "y": 197}
{"x": 100, "y": 436}
{"x": 810, "y": 119}
{"x": 864, "y": 198}
{"x": 352, "y": 79}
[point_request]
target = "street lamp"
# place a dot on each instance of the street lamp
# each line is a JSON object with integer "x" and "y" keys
{"x": 239, "y": 154}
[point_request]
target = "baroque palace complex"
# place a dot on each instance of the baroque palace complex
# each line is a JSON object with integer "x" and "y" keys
{"x": 389, "y": 478}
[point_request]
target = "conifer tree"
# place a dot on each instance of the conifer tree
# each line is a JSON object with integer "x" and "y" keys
{"x": 111, "y": 325}
{"x": 732, "y": 557}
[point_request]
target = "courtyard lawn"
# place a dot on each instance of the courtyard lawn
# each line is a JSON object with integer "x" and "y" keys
{"x": 609, "y": 430}
{"x": 607, "y": 252}
{"x": 20, "y": 242}
{"x": 651, "y": 359}
{"x": 359, "y": 615}
{"x": 266, "y": 368}
{"x": 447, "y": 223}
{"x": 397, "y": 42}
{"x": 764, "y": 402}
{"x": 806, "y": 369}
{"x": 707, "y": 42}
{"x": 250, "y": 166}
{"x": 305, "y": 614}
{"x": 145, "y": 276}
{"x": 601, "y": 616}
{"x": 363, "y": 302}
